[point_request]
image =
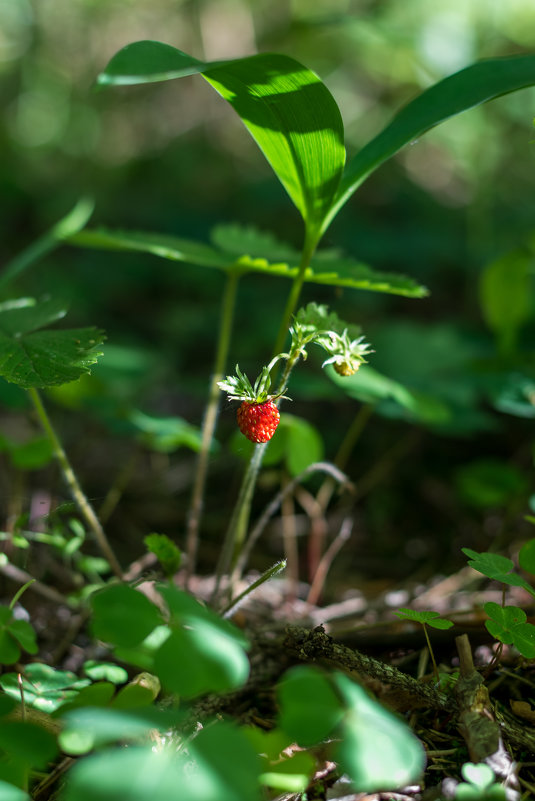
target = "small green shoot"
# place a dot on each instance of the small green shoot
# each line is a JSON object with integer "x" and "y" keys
{"x": 479, "y": 784}
{"x": 426, "y": 618}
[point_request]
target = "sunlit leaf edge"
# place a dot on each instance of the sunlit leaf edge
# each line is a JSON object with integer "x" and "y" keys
{"x": 322, "y": 271}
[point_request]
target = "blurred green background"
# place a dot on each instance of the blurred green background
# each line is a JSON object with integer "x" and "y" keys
{"x": 174, "y": 158}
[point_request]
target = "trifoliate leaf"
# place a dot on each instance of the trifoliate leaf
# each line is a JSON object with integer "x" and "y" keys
{"x": 31, "y": 357}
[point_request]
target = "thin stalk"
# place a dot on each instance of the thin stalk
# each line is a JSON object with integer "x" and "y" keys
{"x": 293, "y": 297}
{"x": 344, "y": 452}
{"x": 431, "y": 654}
{"x": 209, "y": 422}
{"x": 86, "y": 510}
{"x": 239, "y": 522}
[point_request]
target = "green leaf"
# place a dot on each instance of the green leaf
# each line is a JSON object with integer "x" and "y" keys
{"x": 207, "y": 771}
{"x": 286, "y": 108}
{"x": 165, "y": 550}
{"x": 481, "y": 776}
{"x": 296, "y": 443}
{"x": 44, "y": 687}
{"x": 424, "y": 617}
{"x": 34, "y": 358}
{"x": 309, "y": 708}
{"x": 496, "y": 567}
{"x": 526, "y": 557}
{"x": 123, "y": 616}
{"x": 97, "y": 671}
{"x": 282, "y": 769}
{"x": 203, "y": 652}
{"x": 246, "y": 240}
{"x": 505, "y": 296}
{"x": 74, "y": 221}
{"x": 492, "y": 565}
{"x": 470, "y": 87}
{"x": 27, "y": 743}
{"x": 508, "y": 624}
{"x": 278, "y": 259}
{"x": 33, "y": 454}
{"x": 377, "y": 749}
{"x": 25, "y": 635}
{"x": 485, "y": 483}
{"x": 370, "y": 386}
{"x": 9, "y": 650}
{"x": 104, "y": 725}
{"x": 134, "y": 774}
{"x": 9, "y": 792}
{"x": 516, "y": 396}
{"x": 165, "y": 434}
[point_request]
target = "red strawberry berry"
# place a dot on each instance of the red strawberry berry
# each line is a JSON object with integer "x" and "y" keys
{"x": 258, "y": 421}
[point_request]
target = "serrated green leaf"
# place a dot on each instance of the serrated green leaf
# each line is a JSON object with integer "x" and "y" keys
{"x": 323, "y": 319}
{"x": 424, "y": 617}
{"x": 26, "y": 315}
{"x": 286, "y": 108}
{"x": 246, "y": 240}
{"x": 279, "y": 260}
{"x": 35, "y": 358}
{"x": 467, "y": 88}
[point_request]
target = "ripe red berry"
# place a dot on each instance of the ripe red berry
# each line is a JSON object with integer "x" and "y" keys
{"x": 258, "y": 421}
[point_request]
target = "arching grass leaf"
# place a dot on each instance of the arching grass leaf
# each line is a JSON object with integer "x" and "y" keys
{"x": 286, "y": 108}
{"x": 467, "y": 88}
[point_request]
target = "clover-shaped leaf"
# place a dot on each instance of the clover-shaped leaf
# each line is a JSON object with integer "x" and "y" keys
{"x": 44, "y": 687}
{"x": 508, "y": 625}
{"x": 479, "y": 785}
{"x": 36, "y": 358}
{"x": 496, "y": 567}
{"x": 426, "y": 618}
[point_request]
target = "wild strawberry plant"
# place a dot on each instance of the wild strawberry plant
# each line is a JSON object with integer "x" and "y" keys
{"x": 176, "y": 641}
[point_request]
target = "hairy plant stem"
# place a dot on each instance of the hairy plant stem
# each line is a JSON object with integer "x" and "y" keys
{"x": 293, "y": 298}
{"x": 239, "y": 522}
{"x": 209, "y": 422}
{"x": 86, "y": 510}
